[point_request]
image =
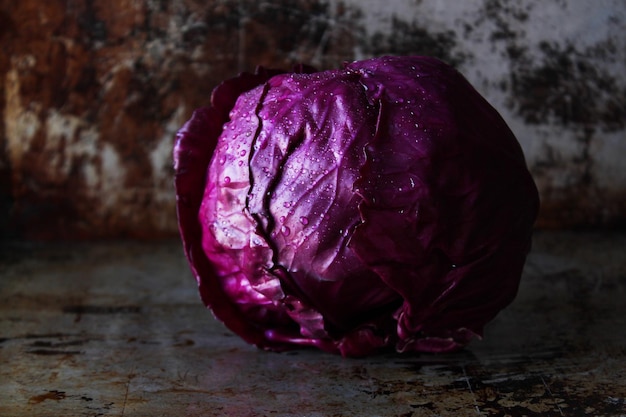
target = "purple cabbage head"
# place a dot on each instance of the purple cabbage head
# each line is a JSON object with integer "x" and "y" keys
{"x": 382, "y": 205}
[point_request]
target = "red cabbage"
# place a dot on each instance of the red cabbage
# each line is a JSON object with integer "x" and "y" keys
{"x": 382, "y": 205}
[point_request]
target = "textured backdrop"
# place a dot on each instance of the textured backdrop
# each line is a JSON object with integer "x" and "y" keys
{"x": 93, "y": 91}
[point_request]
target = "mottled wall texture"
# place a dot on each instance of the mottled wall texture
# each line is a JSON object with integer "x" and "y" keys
{"x": 93, "y": 91}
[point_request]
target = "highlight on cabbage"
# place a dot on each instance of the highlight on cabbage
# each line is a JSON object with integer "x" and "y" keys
{"x": 383, "y": 205}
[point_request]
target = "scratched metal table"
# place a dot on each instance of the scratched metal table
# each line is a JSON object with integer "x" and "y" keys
{"x": 117, "y": 329}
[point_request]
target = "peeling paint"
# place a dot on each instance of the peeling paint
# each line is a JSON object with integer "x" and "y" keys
{"x": 112, "y": 176}
{"x": 20, "y": 124}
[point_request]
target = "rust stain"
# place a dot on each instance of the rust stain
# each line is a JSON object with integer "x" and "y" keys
{"x": 50, "y": 395}
{"x": 48, "y": 335}
{"x": 94, "y": 94}
{"x": 80, "y": 310}
{"x": 53, "y": 352}
{"x": 101, "y": 309}
{"x": 42, "y": 344}
{"x": 184, "y": 343}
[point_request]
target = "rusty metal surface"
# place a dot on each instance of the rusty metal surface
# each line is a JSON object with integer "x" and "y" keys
{"x": 117, "y": 329}
{"x": 93, "y": 92}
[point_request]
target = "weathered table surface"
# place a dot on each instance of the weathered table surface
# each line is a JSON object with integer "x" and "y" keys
{"x": 117, "y": 329}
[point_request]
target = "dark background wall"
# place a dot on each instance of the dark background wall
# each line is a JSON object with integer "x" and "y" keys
{"x": 93, "y": 91}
